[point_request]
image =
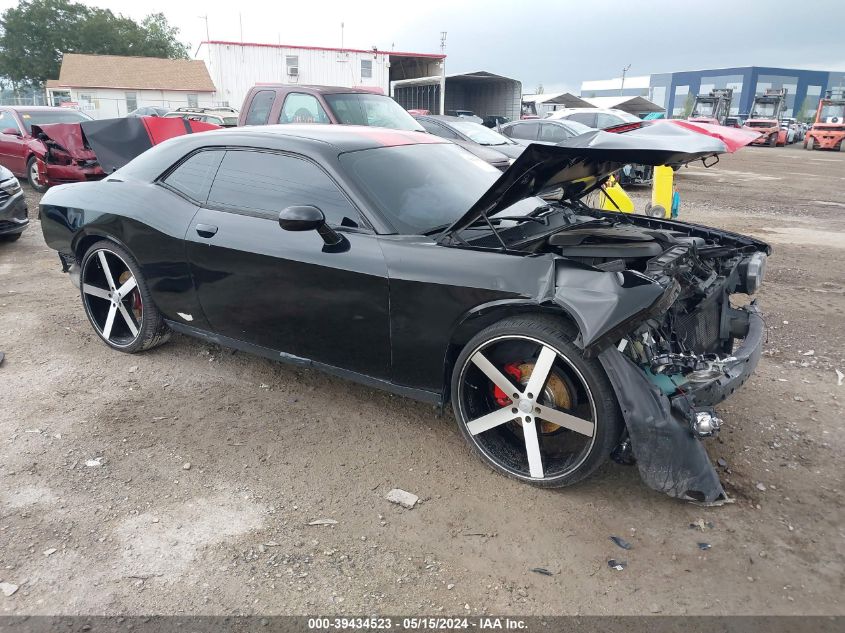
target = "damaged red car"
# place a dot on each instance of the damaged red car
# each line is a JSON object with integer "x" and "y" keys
{"x": 44, "y": 162}
{"x": 77, "y": 148}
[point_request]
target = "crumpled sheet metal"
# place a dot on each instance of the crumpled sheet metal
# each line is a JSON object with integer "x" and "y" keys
{"x": 670, "y": 459}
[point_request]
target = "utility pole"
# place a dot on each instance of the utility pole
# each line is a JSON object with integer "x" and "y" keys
{"x": 241, "y": 20}
{"x": 443, "y": 72}
{"x": 341, "y": 35}
{"x": 205, "y": 17}
{"x": 624, "y": 70}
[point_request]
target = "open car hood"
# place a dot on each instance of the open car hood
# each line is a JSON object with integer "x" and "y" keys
{"x": 114, "y": 142}
{"x": 64, "y": 136}
{"x": 580, "y": 164}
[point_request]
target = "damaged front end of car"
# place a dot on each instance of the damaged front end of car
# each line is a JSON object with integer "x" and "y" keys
{"x": 652, "y": 300}
{"x": 66, "y": 157}
{"x": 673, "y": 362}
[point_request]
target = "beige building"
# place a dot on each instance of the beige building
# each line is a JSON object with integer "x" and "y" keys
{"x": 108, "y": 86}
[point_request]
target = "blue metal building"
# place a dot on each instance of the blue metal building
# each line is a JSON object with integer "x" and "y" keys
{"x": 676, "y": 91}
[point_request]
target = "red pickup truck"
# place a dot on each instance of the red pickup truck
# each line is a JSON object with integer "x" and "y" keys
{"x": 268, "y": 104}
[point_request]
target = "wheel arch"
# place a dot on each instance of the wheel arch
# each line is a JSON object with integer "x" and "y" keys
{"x": 482, "y": 316}
{"x": 85, "y": 238}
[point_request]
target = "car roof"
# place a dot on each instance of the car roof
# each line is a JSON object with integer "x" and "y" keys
{"x": 445, "y": 118}
{"x": 345, "y": 138}
{"x": 320, "y": 89}
{"x": 325, "y": 142}
{"x": 604, "y": 110}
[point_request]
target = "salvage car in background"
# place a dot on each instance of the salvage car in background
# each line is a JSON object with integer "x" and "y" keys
{"x": 597, "y": 118}
{"x": 548, "y": 131}
{"x": 487, "y": 144}
{"x": 224, "y": 117}
{"x": 468, "y": 115}
{"x": 267, "y": 104}
{"x": 558, "y": 332}
{"x": 493, "y": 121}
{"x": 20, "y": 148}
{"x": 149, "y": 111}
{"x": 13, "y": 212}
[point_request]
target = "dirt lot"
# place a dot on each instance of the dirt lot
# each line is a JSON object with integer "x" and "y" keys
{"x": 272, "y": 448}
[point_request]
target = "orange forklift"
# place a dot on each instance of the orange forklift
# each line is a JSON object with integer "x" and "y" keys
{"x": 765, "y": 118}
{"x": 712, "y": 108}
{"x": 828, "y": 130}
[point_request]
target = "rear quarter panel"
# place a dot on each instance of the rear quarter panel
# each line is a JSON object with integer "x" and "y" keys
{"x": 147, "y": 219}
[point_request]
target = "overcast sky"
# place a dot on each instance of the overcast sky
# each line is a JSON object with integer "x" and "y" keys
{"x": 558, "y": 44}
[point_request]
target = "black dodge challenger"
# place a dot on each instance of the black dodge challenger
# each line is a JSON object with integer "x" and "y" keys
{"x": 559, "y": 333}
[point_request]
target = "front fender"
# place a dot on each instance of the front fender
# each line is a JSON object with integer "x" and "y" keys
{"x": 600, "y": 302}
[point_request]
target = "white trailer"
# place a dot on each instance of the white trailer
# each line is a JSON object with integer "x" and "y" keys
{"x": 235, "y": 67}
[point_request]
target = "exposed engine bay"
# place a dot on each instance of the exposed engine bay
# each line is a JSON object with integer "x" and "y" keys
{"x": 690, "y": 347}
{"x": 690, "y": 341}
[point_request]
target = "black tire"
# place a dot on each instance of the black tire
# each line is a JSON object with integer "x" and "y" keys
{"x": 134, "y": 309}
{"x": 567, "y": 455}
{"x": 33, "y": 181}
{"x": 773, "y": 140}
{"x": 13, "y": 237}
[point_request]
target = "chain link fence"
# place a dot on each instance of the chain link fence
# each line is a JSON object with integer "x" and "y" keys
{"x": 108, "y": 107}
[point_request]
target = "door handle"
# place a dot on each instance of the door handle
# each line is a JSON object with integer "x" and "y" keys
{"x": 206, "y": 230}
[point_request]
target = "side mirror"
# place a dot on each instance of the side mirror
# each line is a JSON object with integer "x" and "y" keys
{"x": 310, "y": 218}
{"x": 301, "y": 218}
{"x": 10, "y": 131}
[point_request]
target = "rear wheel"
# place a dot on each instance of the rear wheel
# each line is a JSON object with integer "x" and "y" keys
{"x": 773, "y": 140}
{"x": 531, "y": 406}
{"x": 117, "y": 300}
{"x": 35, "y": 179}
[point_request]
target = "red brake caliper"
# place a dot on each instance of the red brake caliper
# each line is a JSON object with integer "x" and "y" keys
{"x": 502, "y": 399}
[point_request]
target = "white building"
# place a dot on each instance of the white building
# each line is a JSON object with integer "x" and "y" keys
{"x": 108, "y": 86}
{"x": 637, "y": 86}
{"x": 237, "y": 66}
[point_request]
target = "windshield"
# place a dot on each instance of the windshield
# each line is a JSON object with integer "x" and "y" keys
{"x": 764, "y": 110}
{"x": 831, "y": 110}
{"x": 704, "y": 108}
{"x": 419, "y": 188}
{"x": 368, "y": 109}
{"x": 44, "y": 117}
{"x": 480, "y": 134}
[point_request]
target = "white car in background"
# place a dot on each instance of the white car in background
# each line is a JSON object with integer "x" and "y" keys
{"x": 598, "y": 118}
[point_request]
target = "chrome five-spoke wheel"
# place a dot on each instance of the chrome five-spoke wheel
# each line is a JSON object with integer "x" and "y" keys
{"x": 117, "y": 301}
{"x": 526, "y": 401}
{"x": 112, "y": 299}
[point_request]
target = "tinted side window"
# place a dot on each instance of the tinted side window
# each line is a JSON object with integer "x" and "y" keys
{"x": 302, "y": 108}
{"x": 436, "y": 129}
{"x": 193, "y": 177}
{"x": 607, "y": 120}
{"x": 525, "y": 131}
{"x": 267, "y": 183}
{"x": 587, "y": 118}
{"x": 259, "y": 107}
{"x": 553, "y": 133}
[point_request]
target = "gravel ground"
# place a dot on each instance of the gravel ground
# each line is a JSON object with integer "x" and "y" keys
{"x": 182, "y": 481}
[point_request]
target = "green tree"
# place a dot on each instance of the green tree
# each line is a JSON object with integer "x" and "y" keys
{"x": 688, "y": 105}
{"x": 35, "y": 34}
